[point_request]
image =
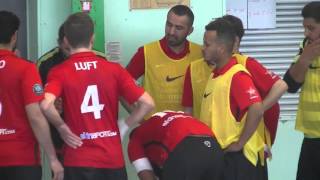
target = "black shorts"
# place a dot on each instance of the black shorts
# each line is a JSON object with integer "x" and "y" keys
{"x": 308, "y": 166}
{"x": 85, "y": 173}
{"x": 196, "y": 158}
{"x": 20, "y": 173}
{"x": 239, "y": 167}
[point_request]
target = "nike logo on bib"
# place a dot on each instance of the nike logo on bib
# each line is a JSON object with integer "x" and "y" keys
{"x": 313, "y": 67}
{"x": 206, "y": 94}
{"x": 169, "y": 79}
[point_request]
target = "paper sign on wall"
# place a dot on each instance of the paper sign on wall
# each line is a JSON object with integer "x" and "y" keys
{"x": 238, "y": 8}
{"x": 113, "y": 51}
{"x": 155, "y": 4}
{"x": 255, "y": 14}
{"x": 261, "y": 14}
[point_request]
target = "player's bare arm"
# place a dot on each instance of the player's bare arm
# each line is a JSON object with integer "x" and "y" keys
{"x": 41, "y": 130}
{"x": 48, "y": 107}
{"x": 254, "y": 116}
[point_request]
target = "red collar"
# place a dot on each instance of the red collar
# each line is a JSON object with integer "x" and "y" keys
{"x": 82, "y": 54}
{"x": 172, "y": 54}
{"x": 4, "y": 52}
{"x": 217, "y": 72}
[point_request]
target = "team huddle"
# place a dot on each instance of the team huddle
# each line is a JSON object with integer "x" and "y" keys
{"x": 202, "y": 112}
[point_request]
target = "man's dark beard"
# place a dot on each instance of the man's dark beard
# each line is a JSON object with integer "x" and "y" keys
{"x": 179, "y": 43}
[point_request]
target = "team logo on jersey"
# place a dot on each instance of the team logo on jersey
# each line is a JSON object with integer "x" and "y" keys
{"x": 207, "y": 143}
{"x": 252, "y": 93}
{"x": 205, "y": 95}
{"x": 37, "y": 89}
{"x": 271, "y": 74}
{"x": 169, "y": 79}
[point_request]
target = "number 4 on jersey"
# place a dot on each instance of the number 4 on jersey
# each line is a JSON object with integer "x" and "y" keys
{"x": 95, "y": 108}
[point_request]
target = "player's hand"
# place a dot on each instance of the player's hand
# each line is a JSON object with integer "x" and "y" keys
{"x": 311, "y": 51}
{"x": 57, "y": 169}
{"x": 69, "y": 137}
{"x": 267, "y": 152}
{"x": 234, "y": 147}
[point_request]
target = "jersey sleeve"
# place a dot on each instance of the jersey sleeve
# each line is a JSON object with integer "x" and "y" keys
{"x": 135, "y": 147}
{"x": 263, "y": 78}
{"x": 294, "y": 86}
{"x": 243, "y": 91}
{"x": 32, "y": 89}
{"x": 43, "y": 73}
{"x": 187, "y": 95}
{"x": 136, "y": 65}
{"x": 128, "y": 88}
{"x": 54, "y": 82}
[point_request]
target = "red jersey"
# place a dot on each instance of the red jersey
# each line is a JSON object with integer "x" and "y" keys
{"x": 263, "y": 80}
{"x": 136, "y": 66}
{"x": 90, "y": 88}
{"x": 20, "y": 85}
{"x": 158, "y": 136}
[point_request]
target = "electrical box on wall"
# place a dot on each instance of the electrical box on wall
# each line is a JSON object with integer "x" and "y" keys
{"x": 86, "y": 5}
{"x": 95, "y": 9}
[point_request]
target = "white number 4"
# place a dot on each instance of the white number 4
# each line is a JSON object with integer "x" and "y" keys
{"x": 92, "y": 91}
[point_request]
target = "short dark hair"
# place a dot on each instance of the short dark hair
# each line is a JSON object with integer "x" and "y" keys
{"x": 9, "y": 24}
{"x": 78, "y": 29}
{"x": 237, "y": 24}
{"x": 183, "y": 10}
{"x": 225, "y": 32}
{"x": 312, "y": 10}
{"x": 61, "y": 34}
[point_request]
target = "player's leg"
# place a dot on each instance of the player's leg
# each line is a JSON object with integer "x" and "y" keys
{"x": 191, "y": 159}
{"x": 23, "y": 173}
{"x": 309, "y": 159}
{"x": 115, "y": 174}
{"x": 237, "y": 166}
{"x": 84, "y": 173}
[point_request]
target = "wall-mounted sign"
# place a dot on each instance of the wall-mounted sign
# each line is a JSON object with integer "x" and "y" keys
{"x": 255, "y": 14}
{"x": 154, "y": 4}
{"x": 86, "y": 5}
{"x": 113, "y": 51}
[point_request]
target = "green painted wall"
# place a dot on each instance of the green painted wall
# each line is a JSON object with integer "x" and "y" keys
{"x": 51, "y": 14}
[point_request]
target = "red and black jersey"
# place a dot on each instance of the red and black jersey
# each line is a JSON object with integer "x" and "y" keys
{"x": 159, "y": 135}
{"x": 20, "y": 85}
{"x": 90, "y": 88}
